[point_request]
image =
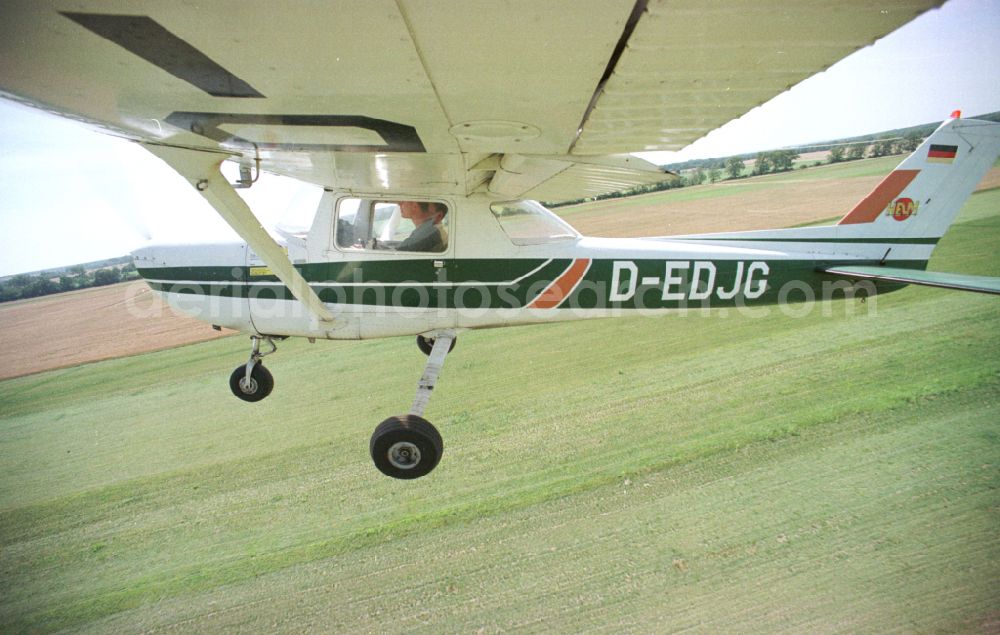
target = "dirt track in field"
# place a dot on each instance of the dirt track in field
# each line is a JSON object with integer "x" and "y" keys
{"x": 90, "y": 325}
{"x": 126, "y": 319}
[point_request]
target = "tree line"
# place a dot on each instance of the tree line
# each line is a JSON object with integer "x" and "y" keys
{"x": 697, "y": 171}
{"x": 736, "y": 167}
{"x": 884, "y": 147}
{"x": 27, "y": 285}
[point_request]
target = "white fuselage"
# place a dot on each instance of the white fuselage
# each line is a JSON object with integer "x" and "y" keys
{"x": 484, "y": 279}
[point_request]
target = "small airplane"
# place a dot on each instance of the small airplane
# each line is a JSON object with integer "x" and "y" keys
{"x": 434, "y": 142}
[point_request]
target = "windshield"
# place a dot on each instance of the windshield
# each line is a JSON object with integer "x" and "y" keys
{"x": 530, "y": 223}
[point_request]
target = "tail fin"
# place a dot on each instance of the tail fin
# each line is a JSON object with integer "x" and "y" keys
{"x": 919, "y": 201}
{"x": 922, "y": 196}
{"x": 900, "y": 222}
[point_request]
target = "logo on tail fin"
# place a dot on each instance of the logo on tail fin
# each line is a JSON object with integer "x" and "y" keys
{"x": 902, "y": 208}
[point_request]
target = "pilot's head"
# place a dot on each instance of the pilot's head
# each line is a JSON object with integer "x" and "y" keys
{"x": 420, "y": 211}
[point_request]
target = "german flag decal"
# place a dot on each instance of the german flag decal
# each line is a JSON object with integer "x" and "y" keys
{"x": 941, "y": 154}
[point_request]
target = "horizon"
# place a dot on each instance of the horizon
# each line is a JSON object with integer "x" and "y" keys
{"x": 866, "y": 137}
{"x": 96, "y": 264}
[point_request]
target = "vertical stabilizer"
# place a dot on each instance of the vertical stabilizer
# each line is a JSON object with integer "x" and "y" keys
{"x": 922, "y": 196}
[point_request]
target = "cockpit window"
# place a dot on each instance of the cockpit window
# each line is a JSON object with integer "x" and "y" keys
{"x": 366, "y": 224}
{"x": 531, "y": 223}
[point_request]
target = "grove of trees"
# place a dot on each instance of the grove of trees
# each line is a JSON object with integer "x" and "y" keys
{"x": 26, "y": 285}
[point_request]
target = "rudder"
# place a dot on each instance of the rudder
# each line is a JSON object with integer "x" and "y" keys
{"x": 922, "y": 196}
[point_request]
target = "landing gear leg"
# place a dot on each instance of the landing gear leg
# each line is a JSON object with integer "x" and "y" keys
{"x": 408, "y": 446}
{"x": 251, "y": 381}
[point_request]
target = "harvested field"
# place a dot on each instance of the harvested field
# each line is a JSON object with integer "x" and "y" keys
{"x": 797, "y": 203}
{"x": 89, "y": 325}
{"x": 785, "y": 200}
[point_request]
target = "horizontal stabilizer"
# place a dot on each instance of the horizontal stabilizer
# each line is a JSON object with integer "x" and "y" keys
{"x": 979, "y": 284}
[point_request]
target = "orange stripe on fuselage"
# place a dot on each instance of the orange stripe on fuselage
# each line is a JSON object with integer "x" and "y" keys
{"x": 872, "y": 205}
{"x": 560, "y": 289}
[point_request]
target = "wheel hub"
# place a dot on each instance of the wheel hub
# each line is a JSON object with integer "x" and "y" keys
{"x": 404, "y": 455}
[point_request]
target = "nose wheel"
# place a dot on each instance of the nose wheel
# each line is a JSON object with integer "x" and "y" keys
{"x": 253, "y": 388}
{"x": 409, "y": 446}
{"x": 251, "y": 381}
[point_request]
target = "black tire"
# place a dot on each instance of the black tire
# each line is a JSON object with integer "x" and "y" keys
{"x": 406, "y": 447}
{"x": 426, "y": 344}
{"x": 261, "y": 383}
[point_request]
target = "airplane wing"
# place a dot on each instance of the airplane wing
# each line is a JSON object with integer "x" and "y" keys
{"x": 521, "y": 98}
{"x": 979, "y": 284}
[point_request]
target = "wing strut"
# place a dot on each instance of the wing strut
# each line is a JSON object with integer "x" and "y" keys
{"x": 202, "y": 169}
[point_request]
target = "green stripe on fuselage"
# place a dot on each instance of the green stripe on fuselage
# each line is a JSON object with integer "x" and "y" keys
{"x": 488, "y": 283}
{"x": 424, "y": 271}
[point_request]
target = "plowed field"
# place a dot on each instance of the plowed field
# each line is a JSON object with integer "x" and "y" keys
{"x": 89, "y": 325}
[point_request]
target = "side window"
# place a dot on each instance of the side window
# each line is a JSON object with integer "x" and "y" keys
{"x": 352, "y": 224}
{"x": 366, "y": 224}
{"x": 530, "y": 223}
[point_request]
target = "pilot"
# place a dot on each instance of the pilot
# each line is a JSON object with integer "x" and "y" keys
{"x": 428, "y": 235}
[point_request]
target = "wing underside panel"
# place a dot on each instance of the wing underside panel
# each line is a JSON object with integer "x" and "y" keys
{"x": 693, "y": 65}
{"x": 405, "y": 95}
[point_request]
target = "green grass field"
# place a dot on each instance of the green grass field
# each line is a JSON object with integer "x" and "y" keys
{"x": 836, "y": 471}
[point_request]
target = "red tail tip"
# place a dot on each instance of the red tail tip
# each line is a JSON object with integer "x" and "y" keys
{"x": 956, "y": 114}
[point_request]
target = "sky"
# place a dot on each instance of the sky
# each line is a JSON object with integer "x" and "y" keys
{"x": 70, "y": 195}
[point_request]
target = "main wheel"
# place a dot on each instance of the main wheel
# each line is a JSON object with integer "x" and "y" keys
{"x": 406, "y": 447}
{"x": 260, "y": 385}
{"x": 426, "y": 344}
